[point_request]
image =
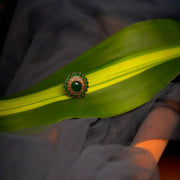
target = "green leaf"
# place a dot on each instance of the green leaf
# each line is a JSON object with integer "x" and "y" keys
{"x": 124, "y": 72}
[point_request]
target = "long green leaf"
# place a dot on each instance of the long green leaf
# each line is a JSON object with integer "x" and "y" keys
{"x": 124, "y": 72}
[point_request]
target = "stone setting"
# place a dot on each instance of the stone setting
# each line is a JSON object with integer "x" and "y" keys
{"x": 75, "y": 85}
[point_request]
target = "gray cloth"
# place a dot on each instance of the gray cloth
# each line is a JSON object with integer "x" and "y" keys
{"x": 44, "y": 36}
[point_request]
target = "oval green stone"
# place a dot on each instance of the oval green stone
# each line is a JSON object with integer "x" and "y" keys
{"x": 76, "y": 86}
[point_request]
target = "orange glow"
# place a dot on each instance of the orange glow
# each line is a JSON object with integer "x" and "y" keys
{"x": 154, "y": 146}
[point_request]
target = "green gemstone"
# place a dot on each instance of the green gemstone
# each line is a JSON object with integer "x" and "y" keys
{"x": 76, "y": 86}
{"x": 75, "y": 74}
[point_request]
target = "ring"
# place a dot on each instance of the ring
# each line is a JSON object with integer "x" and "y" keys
{"x": 75, "y": 85}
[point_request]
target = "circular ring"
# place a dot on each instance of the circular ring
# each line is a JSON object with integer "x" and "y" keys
{"x": 75, "y": 85}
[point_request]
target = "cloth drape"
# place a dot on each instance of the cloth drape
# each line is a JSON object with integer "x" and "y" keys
{"x": 44, "y": 36}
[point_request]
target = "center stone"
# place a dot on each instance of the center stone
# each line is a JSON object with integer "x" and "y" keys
{"x": 76, "y": 86}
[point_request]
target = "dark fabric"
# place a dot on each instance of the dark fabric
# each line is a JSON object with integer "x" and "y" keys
{"x": 44, "y": 36}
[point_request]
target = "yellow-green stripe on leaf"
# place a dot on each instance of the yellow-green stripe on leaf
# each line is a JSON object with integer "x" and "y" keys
{"x": 124, "y": 72}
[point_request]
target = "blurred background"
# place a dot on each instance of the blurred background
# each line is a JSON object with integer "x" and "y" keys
{"x": 170, "y": 162}
{"x": 7, "y": 8}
